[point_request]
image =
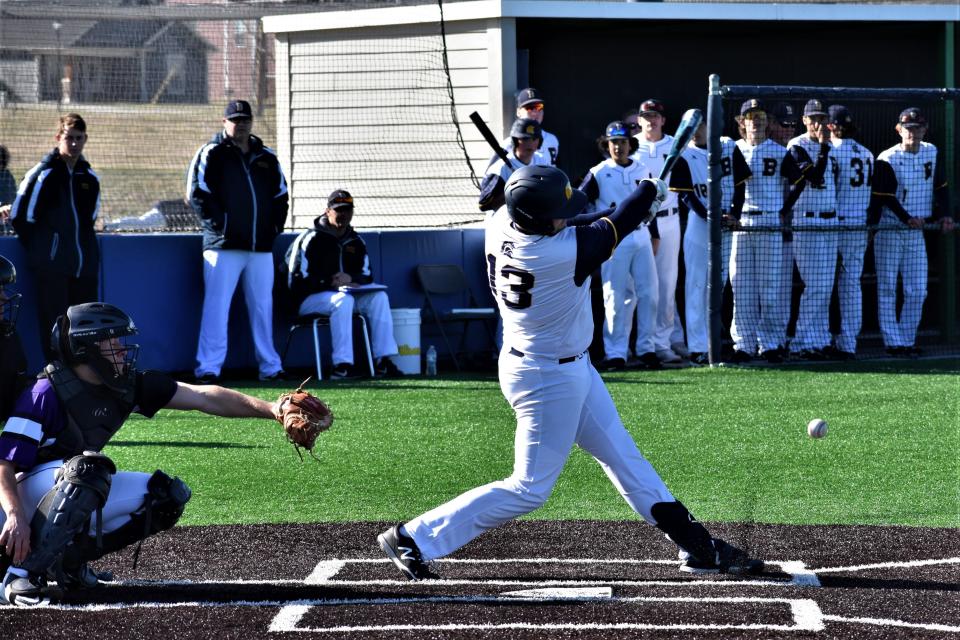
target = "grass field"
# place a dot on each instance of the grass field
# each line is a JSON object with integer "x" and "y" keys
{"x": 731, "y": 443}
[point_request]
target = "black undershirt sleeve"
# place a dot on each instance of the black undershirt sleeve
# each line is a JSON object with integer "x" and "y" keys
{"x": 597, "y": 240}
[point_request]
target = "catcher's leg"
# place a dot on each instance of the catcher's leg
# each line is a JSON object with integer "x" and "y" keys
{"x": 161, "y": 508}
{"x": 81, "y": 487}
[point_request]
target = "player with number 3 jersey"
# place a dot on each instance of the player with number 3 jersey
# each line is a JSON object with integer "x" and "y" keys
{"x": 855, "y": 165}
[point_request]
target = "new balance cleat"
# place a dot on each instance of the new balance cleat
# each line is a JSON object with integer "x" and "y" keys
{"x": 727, "y": 559}
{"x": 405, "y": 554}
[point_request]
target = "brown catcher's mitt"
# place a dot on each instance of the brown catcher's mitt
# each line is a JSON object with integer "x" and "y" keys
{"x": 303, "y": 416}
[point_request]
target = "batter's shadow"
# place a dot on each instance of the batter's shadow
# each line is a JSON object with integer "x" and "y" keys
{"x": 901, "y": 584}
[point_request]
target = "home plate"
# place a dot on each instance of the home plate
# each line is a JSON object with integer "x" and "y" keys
{"x": 563, "y": 593}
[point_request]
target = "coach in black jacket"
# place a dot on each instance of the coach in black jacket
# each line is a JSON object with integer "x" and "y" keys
{"x": 238, "y": 189}
{"x": 54, "y": 214}
{"x": 328, "y": 266}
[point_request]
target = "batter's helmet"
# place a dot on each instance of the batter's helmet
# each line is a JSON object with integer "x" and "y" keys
{"x": 9, "y": 301}
{"x": 77, "y": 334}
{"x": 524, "y": 128}
{"x": 536, "y": 195}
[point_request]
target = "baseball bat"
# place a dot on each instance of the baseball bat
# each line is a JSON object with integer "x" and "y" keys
{"x": 688, "y": 126}
{"x": 491, "y": 140}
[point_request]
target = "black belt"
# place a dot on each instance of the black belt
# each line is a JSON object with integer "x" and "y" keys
{"x": 663, "y": 213}
{"x": 826, "y": 215}
{"x": 521, "y": 354}
{"x": 753, "y": 213}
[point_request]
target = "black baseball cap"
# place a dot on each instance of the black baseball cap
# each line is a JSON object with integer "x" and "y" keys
{"x": 529, "y": 96}
{"x": 237, "y": 109}
{"x": 814, "y": 107}
{"x": 340, "y": 199}
{"x": 839, "y": 115}
{"x": 651, "y": 106}
{"x": 785, "y": 114}
{"x": 912, "y": 117}
{"x": 752, "y": 104}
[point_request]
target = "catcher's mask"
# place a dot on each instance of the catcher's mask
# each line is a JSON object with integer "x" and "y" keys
{"x": 9, "y": 301}
{"x": 95, "y": 334}
{"x": 536, "y": 195}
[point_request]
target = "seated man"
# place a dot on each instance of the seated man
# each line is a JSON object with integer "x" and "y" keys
{"x": 63, "y": 502}
{"x": 325, "y": 265}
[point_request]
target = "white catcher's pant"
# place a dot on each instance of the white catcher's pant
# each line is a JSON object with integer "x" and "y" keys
{"x": 851, "y": 246}
{"x": 221, "y": 272}
{"x": 127, "y": 492}
{"x": 374, "y": 306}
{"x": 668, "y": 266}
{"x": 755, "y": 276}
{"x": 816, "y": 254}
{"x": 629, "y": 283}
{"x": 905, "y": 253}
{"x": 557, "y": 406}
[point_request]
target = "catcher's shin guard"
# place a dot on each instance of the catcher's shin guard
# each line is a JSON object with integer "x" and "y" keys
{"x": 163, "y": 506}
{"x": 81, "y": 487}
{"x": 683, "y": 529}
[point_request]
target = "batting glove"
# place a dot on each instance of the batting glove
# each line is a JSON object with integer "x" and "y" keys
{"x": 662, "y": 193}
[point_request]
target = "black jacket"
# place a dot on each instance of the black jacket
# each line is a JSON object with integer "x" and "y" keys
{"x": 241, "y": 200}
{"x": 54, "y": 216}
{"x": 318, "y": 253}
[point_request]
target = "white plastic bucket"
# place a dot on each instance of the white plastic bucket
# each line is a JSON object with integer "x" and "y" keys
{"x": 406, "y": 331}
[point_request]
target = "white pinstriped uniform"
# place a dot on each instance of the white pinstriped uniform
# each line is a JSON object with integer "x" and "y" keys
{"x": 903, "y": 251}
{"x": 630, "y": 275}
{"x": 855, "y": 165}
{"x": 546, "y": 317}
{"x": 755, "y": 256}
{"x": 815, "y": 251}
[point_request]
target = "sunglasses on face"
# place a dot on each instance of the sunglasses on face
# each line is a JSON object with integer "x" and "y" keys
{"x": 534, "y": 107}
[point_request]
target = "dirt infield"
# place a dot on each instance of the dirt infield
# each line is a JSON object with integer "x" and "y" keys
{"x": 532, "y": 580}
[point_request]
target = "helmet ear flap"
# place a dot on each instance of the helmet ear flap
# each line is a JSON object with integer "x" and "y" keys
{"x": 60, "y": 339}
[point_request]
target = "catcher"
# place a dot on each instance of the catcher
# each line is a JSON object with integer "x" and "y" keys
{"x": 63, "y": 502}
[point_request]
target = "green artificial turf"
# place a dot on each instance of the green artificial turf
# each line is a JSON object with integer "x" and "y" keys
{"x": 731, "y": 443}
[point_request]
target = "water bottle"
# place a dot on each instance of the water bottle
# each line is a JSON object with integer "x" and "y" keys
{"x": 431, "y": 361}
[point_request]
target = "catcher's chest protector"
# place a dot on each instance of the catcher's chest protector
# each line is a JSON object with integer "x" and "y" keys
{"x": 94, "y": 414}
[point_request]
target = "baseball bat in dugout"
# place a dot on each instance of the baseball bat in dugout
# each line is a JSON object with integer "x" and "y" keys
{"x": 489, "y": 137}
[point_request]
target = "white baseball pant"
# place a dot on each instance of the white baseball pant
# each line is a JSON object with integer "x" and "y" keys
{"x": 781, "y": 312}
{"x": 816, "y": 254}
{"x": 221, "y": 272}
{"x": 340, "y": 306}
{"x": 667, "y": 259}
{"x": 900, "y": 252}
{"x": 851, "y": 245}
{"x": 756, "y": 278}
{"x": 557, "y": 406}
{"x": 629, "y": 284}
{"x": 127, "y": 492}
{"x": 696, "y": 259}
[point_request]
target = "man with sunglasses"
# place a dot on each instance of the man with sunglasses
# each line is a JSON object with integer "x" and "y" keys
{"x": 237, "y": 187}
{"x": 756, "y": 252}
{"x": 530, "y": 107}
{"x": 64, "y": 503}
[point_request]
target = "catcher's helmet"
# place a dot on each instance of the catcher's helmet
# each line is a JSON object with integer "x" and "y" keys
{"x": 9, "y": 301}
{"x": 536, "y": 195}
{"x": 77, "y": 336}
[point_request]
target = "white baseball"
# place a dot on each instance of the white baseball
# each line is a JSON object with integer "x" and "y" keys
{"x": 817, "y": 428}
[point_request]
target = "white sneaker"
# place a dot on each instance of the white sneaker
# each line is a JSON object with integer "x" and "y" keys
{"x": 680, "y": 349}
{"x": 667, "y": 356}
